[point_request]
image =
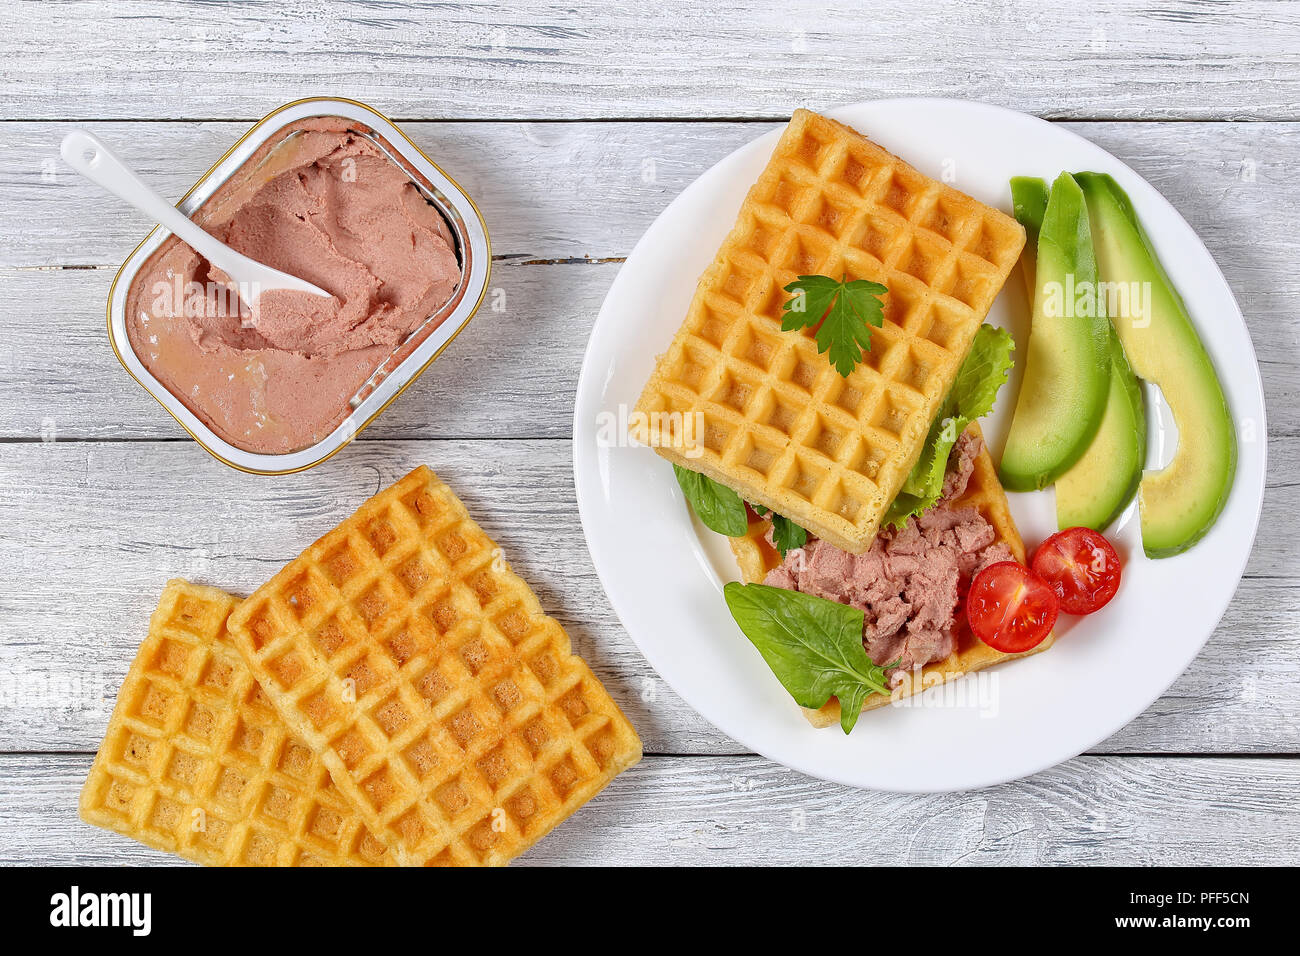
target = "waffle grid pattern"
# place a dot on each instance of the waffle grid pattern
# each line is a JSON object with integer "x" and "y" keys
{"x": 196, "y": 762}
{"x": 984, "y": 493}
{"x": 449, "y": 708}
{"x": 779, "y": 424}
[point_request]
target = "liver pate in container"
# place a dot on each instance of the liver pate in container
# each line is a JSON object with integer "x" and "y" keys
{"x": 330, "y": 191}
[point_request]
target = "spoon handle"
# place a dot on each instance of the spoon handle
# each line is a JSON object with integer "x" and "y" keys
{"x": 85, "y": 153}
{"x": 88, "y": 155}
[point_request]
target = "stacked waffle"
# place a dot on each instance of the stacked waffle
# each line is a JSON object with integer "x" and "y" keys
{"x": 776, "y": 422}
{"x": 760, "y": 410}
{"x": 395, "y": 695}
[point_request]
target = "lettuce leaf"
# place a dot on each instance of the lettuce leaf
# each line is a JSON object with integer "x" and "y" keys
{"x": 971, "y": 396}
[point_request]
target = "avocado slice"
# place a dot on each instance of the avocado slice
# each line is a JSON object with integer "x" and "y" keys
{"x": 1029, "y": 204}
{"x": 1067, "y": 363}
{"x": 1099, "y": 487}
{"x": 1180, "y": 503}
{"x": 1096, "y": 490}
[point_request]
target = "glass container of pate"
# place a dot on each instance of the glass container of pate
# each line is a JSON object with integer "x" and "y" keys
{"x": 365, "y": 374}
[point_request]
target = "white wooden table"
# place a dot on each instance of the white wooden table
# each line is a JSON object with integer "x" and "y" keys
{"x": 573, "y": 127}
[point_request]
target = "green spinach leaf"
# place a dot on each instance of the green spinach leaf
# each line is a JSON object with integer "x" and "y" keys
{"x": 721, "y": 509}
{"x": 813, "y": 646}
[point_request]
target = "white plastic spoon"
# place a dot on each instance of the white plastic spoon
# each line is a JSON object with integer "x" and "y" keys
{"x": 87, "y": 155}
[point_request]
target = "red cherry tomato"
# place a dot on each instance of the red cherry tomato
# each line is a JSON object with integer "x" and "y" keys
{"x": 1010, "y": 608}
{"x": 1081, "y": 567}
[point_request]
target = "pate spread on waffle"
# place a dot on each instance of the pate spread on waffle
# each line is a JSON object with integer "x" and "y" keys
{"x": 776, "y": 422}
{"x": 195, "y": 760}
{"x": 984, "y": 493}
{"x": 449, "y": 709}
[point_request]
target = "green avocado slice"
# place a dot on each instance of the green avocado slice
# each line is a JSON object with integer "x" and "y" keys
{"x": 1096, "y": 490}
{"x": 1029, "y": 204}
{"x": 1181, "y": 502}
{"x": 1099, "y": 487}
{"x": 1067, "y": 363}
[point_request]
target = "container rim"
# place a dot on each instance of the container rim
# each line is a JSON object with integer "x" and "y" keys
{"x": 477, "y": 264}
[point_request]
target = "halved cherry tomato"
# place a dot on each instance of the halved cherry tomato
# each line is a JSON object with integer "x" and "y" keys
{"x": 1081, "y": 567}
{"x": 1010, "y": 608}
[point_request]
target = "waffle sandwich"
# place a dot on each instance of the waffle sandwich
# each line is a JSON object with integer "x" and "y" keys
{"x": 984, "y": 493}
{"x": 449, "y": 709}
{"x": 776, "y": 422}
{"x": 196, "y": 762}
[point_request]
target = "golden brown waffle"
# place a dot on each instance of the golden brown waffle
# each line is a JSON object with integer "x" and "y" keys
{"x": 759, "y": 409}
{"x": 196, "y": 762}
{"x": 983, "y": 492}
{"x": 450, "y": 710}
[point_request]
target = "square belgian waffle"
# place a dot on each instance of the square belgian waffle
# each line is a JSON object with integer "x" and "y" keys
{"x": 984, "y": 493}
{"x": 777, "y": 422}
{"x": 195, "y": 760}
{"x": 450, "y": 710}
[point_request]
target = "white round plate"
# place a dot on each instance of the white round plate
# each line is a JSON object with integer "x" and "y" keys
{"x": 664, "y": 573}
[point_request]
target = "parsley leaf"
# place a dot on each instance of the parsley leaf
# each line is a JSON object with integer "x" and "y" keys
{"x": 721, "y": 509}
{"x": 842, "y": 311}
{"x": 814, "y": 646}
{"x": 786, "y": 535}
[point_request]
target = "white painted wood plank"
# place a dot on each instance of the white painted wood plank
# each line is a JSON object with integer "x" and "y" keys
{"x": 745, "y": 810}
{"x": 1229, "y": 180}
{"x": 89, "y": 532}
{"x": 99, "y": 538}
{"x": 546, "y": 190}
{"x": 1106, "y": 58}
{"x": 561, "y": 190}
{"x": 511, "y": 374}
